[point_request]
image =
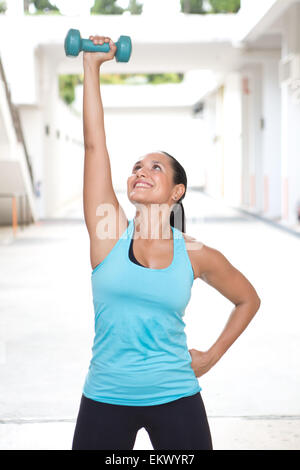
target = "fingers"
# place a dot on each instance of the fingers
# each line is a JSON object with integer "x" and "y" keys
{"x": 103, "y": 56}
{"x": 101, "y": 40}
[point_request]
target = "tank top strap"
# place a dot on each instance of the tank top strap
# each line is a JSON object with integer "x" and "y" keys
{"x": 182, "y": 254}
{"x": 127, "y": 235}
{"x": 179, "y": 242}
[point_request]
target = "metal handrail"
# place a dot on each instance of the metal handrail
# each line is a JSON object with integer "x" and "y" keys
{"x": 14, "y": 210}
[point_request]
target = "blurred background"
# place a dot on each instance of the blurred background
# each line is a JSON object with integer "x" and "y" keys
{"x": 215, "y": 83}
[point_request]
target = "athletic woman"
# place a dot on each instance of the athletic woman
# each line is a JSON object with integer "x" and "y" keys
{"x": 141, "y": 373}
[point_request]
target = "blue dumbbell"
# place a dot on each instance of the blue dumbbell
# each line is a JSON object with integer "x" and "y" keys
{"x": 74, "y": 44}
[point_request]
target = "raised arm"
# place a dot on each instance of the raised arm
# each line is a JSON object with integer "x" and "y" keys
{"x": 97, "y": 184}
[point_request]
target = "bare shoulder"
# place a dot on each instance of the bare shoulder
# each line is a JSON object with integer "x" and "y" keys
{"x": 215, "y": 269}
{"x": 192, "y": 244}
{"x": 203, "y": 257}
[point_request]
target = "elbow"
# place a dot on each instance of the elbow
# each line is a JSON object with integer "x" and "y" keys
{"x": 89, "y": 146}
{"x": 256, "y": 303}
{"x": 255, "y": 300}
{"x": 95, "y": 147}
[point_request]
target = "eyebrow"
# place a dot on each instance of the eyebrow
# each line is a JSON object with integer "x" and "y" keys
{"x": 153, "y": 161}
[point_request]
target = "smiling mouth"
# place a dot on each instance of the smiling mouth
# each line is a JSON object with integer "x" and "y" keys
{"x": 142, "y": 185}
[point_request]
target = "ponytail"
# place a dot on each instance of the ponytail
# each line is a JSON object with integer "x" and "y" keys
{"x": 177, "y": 217}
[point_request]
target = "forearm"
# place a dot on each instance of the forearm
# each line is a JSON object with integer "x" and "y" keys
{"x": 93, "y": 115}
{"x": 239, "y": 319}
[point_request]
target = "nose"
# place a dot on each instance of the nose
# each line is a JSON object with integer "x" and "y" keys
{"x": 141, "y": 171}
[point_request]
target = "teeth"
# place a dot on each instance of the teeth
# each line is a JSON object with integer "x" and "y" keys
{"x": 142, "y": 185}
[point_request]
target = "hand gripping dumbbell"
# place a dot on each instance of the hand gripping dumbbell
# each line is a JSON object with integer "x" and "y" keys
{"x": 74, "y": 44}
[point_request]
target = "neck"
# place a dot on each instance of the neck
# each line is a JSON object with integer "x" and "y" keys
{"x": 153, "y": 224}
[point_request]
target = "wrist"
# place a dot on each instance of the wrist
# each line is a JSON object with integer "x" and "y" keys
{"x": 91, "y": 65}
{"x": 215, "y": 353}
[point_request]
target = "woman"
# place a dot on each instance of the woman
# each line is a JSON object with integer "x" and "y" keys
{"x": 141, "y": 373}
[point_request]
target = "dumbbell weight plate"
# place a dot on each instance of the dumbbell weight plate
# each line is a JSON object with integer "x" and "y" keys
{"x": 72, "y": 43}
{"x": 124, "y": 48}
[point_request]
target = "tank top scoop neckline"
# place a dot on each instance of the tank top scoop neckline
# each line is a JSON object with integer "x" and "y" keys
{"x": 127, "y": 239}
{"x": 132, "y": 259}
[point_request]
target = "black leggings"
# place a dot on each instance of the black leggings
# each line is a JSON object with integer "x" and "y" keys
{"x": 179, "y": 424}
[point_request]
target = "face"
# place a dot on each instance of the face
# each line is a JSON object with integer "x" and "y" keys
{"x": 151, "y": 181}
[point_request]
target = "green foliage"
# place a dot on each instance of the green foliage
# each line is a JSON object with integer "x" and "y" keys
{"x": 192, "y": 6}
{"x": 225, "y": 6}
{"x": 134, "y": 7}
{"x": 216, "y": 6}
{"x": 141, "y": 79}
{"x": 109, "y": 7}
{"x": 44, "y": 6}
{"x": 2, "y": 7}
{"x": 114, "y": 79}
{"x": 106, "y": 7}
{"x": 67, "y": 83}
{"x": 159, "y": 78}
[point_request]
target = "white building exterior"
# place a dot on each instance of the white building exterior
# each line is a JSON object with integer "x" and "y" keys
{"x": 253, "y": 119}
{"x": 244, "y": 147}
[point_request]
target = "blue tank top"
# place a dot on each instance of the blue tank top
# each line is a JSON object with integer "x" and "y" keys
{"x": 140, "y": 355}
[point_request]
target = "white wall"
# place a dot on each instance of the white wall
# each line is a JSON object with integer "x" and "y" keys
{"x": 271, "y": 140}
{"x": 252, "y": 160}
{"x": 232, "y": 113}
{"x": 63, "y": 157}
{"x": 11, "y": 150}
{"x": 7, "y": 133}
{"x": 32, "y": 126}
{"x": 290, "y": 143}
{"x": 247, "y": 140}
{"x": 223, "y": 148}
{"x": 58, "y": 155}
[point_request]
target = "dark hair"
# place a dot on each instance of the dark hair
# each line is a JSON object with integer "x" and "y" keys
{"x": 177, "y": 216}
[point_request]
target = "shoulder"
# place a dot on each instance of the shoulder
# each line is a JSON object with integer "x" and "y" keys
{"x": 203, "y": 257}
{"x": 195, "y": 245}
{"x": 192, "y": 242}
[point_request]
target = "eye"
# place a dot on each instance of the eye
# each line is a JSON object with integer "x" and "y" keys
{"x": 138, "y": 166}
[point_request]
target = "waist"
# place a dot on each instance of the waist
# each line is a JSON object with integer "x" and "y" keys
{"x": 141, "y": 356}
{"x": 140, "y": 386}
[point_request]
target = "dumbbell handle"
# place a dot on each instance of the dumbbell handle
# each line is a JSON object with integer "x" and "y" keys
{"x": 88, "y": 46}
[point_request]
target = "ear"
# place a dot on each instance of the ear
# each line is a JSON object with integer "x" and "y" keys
{"x": 178, "y": 192}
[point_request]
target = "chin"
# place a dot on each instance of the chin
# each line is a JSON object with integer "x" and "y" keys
{"x": 140, "y": 199}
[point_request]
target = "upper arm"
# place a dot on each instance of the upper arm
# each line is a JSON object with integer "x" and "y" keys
{"x": 217, "y": 271}
{"x": 100, "y": 201}
{"x": 98, "y": 191}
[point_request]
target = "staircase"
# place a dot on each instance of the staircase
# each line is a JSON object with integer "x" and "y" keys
{"x": 17, "y": 186}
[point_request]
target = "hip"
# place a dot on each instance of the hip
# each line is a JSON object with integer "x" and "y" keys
{"x": 139, "y": 388}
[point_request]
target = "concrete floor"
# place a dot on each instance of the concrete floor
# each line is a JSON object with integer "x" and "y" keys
{"x": 46, "y": 330}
